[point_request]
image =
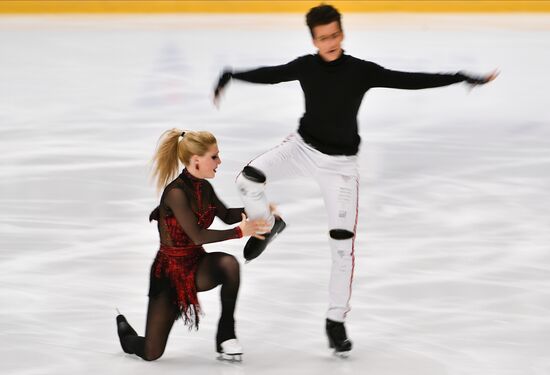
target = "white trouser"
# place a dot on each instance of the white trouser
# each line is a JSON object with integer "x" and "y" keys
{"x": 338, "y": 178}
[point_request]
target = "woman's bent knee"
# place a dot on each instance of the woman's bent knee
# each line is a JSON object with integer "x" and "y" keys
{"x": 229, "y": 263}
{"x": 153, "y": 354}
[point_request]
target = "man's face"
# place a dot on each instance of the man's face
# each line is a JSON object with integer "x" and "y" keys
{"x": 328, "y": 40}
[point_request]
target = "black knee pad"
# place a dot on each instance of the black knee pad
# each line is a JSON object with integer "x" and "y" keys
{"x": 341, "y": 234}
{"x": 253, "y": 174}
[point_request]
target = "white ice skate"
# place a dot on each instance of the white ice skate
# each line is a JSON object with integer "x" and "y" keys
{"x": 230, "y": 350}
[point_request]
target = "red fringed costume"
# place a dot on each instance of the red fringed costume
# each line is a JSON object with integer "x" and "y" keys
{"x": 187, "y": 216}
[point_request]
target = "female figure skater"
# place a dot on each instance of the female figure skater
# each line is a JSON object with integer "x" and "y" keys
{"x": 182, "y": 267}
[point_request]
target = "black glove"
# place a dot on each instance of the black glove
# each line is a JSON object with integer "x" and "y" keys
{"x": 224, "y": 80}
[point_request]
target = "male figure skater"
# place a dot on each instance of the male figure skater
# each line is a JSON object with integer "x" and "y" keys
{"x": 325, "y": 146}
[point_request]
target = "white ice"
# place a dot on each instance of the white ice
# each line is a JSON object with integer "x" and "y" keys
{"x": 452, "y": 272}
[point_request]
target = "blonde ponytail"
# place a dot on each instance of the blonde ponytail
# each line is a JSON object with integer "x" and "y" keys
{"x": 171, "y": 150}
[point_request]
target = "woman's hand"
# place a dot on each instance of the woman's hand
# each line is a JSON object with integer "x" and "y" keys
{"x": 273, "y": 209}
{"x": 252, "y": 227}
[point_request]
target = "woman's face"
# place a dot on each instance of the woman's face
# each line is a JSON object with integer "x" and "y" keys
{"x": 205, "y": 166}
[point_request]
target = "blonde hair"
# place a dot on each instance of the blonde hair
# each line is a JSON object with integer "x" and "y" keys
{"x": 172, "y": 149}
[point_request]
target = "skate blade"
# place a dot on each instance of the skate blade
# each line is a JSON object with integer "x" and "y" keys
{"x": 233, "y": 358}
{"x": 343, "y": 355}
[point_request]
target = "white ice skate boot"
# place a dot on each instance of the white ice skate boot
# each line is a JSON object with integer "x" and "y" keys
{"x": 230, "y": 350}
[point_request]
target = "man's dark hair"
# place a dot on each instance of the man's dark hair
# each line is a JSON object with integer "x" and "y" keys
{"x": 322, "y": 15}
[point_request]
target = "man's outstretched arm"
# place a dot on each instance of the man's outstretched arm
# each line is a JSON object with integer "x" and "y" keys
{"x": 266, "y": 75}
{"x": 381, "y": 77}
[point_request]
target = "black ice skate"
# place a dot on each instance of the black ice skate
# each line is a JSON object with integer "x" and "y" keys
{"x": 124, "y": 329}
{"x": 337, "y": 338}
{"x": 254, "y": 247}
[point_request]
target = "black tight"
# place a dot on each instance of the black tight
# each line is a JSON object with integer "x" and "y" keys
{"x": 214, "y": 269}
{"x": 161, "y": 314}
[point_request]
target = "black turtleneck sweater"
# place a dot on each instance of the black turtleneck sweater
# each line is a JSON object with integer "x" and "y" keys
{"x": 334, "y": 91}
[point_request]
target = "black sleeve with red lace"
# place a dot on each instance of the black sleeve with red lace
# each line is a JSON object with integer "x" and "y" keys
{"x": 178, "y": 202}
{"x": 227, "y": 215}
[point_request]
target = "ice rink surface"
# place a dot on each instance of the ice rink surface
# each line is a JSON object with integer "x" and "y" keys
{"x": 452, "y": 272}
